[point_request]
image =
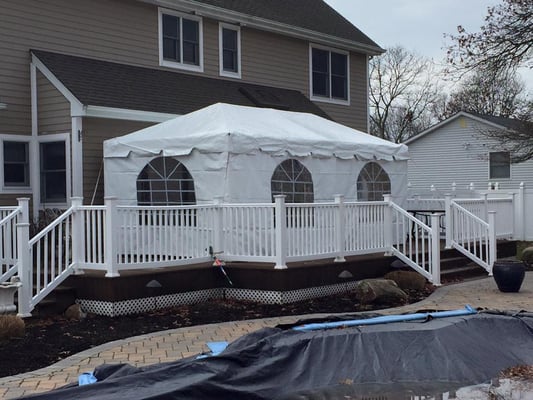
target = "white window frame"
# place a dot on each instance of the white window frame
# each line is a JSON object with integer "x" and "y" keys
{"x": 56, "y": 137}
{"x": 222, "y": 72}
{"x": 16, "y": 138}
{"x": 510, "y": 167}
{"x": 181, "y": 65}
{"x": 329, "y": 99}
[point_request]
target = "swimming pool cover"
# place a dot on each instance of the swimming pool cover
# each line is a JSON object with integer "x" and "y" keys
{"x": 276, "y": 363}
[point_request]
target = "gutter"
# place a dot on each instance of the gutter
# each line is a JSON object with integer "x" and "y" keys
{"x": 218, "y": 13}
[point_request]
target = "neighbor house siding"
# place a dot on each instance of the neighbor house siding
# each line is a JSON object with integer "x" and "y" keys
{"x": 458, "y": 152}
{"x": 52, "y": 108}
{"x": 95, "y": 131}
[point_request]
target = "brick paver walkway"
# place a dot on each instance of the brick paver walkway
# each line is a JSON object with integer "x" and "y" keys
{"x": 178, "y": 343}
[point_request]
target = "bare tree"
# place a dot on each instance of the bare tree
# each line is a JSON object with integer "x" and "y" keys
{"x": 504, "y": 42}
{"x": 402, "y": 89}
{"x": 503, "y": 95}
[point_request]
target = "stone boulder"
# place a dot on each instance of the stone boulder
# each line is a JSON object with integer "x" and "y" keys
{"x": 527, "y": 256}
{"x": 380, "y": 291}
{"x": 75, "y": 312}
{"x": 407, "y": 280}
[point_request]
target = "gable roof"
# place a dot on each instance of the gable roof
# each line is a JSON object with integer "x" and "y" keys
{"x": 313, "y": 19}
{"x": 107, "y": 84}
{"x": 495, "y": 122}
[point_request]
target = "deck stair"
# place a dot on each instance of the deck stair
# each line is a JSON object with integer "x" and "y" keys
{"x": 454, "y": 265}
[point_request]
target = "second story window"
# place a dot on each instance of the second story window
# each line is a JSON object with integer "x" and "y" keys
{"x": 230, "y": 50}
{"x": 180, "y": 40}
{"x": 329, "y": 79}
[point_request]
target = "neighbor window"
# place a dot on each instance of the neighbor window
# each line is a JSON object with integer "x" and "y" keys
{"x": 16, "y": 163}
{"x": 293, "y": 180}
{"x": 53, "y": 172}
{"x": 164, "y": 181}
{"x": 230, "y": 50}
{"x": 180, "y": 40}
{"x": 499, "y": 165}
{"x": 329, "y": 75}
{"x": 373, "y": 182}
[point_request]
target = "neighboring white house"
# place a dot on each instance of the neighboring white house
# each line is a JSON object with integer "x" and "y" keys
{"x": 457, "y": 151}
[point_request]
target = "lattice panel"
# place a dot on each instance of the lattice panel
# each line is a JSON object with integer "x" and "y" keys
{"x": 134, "y": 306}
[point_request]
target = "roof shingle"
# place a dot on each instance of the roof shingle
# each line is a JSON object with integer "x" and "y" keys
{"x": 107, "y": 84}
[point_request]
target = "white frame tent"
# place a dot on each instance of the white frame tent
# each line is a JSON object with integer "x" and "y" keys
{"x": 232, "y": 151}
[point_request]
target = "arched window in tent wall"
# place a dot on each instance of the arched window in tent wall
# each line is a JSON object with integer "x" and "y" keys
{"x": 165, "y": 181}
{"x": 373, "y": 182}
{"x": 293, "y": 180}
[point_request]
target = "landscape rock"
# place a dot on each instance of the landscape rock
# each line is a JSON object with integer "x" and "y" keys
{"x": 407, "y": 280}
{"x": 380, "y": 291}
{"x": 75, "y": 312}
{"x": 527, "y": 256}
{"x": 11, "y": 326}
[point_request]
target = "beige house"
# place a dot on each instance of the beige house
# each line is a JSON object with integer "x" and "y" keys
{"x": 74, "y": 73}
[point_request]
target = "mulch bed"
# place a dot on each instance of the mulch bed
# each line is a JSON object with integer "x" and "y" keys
{"x": 48, "y": 340}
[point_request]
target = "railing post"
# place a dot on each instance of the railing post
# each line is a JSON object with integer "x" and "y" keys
{"x": 435, "y": 248}
{"x": 24, "y": 260}
{"x": 448, "y": 220}
{"x": 111, "y": 225}
{"x": 486, "y": 206}
{"x": 218, "y": 244}
{"x": 339, "y": 228}
{"x": 388, "y": 224}
{"x": 513, "y": 216}
{"x": 281, "y": 231}
{"x": 492, "y": 240}
{"x": 78, "y": 238}
{"x": 521, "y": 216}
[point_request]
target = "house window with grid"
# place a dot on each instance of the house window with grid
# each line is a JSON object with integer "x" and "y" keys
{"x": 329, "y": 75}
{"x": 293, "y": 180}
{"x": 230, "y": 50}
{"x": 164, "y": 181}
{"x": 180, "y": 40}
{"x": 499, "y": 165}
{"x": 16, "y": 164}
{"x": 373, "y": 182}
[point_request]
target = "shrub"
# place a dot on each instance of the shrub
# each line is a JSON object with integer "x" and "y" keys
{"x": 11, "y": 326}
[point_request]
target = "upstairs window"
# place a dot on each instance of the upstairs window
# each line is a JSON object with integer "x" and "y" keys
{"x": 16, "y": 164}
{"x": 230, "y": 50}
{"x": 329, "y": 75}
{"x": 293, "y": 180}
{"x": 180, "y": 40}
{"x": 499, "y": 165}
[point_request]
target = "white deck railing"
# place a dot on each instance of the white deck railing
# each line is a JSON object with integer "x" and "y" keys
{"x": 9, "y": 217}
{"x": 114, "y": 238}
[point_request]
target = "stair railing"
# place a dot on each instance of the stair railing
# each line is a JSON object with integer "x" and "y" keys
{"x": 414, "y": 242}
{"x": 9, "y": 217}
{"x": 45, "y": 261}
{"x": 471, "y": 235}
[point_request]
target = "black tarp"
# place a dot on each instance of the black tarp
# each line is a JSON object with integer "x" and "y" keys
{"x": 280, "y": 363}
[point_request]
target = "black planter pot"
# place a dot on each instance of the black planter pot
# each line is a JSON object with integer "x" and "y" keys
{"x": 509, "y": 275}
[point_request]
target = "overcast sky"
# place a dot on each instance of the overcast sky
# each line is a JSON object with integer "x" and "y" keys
{"x": 417, "y": 25}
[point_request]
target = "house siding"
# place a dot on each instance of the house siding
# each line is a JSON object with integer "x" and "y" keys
{"x": 91, "y": 29}
{"x": 95, "y": 131}
{"x": 458, "y": 152}
{"x": 52, "y": 108}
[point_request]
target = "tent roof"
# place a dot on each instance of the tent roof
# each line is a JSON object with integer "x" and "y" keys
{"x": 235, "y": 129}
